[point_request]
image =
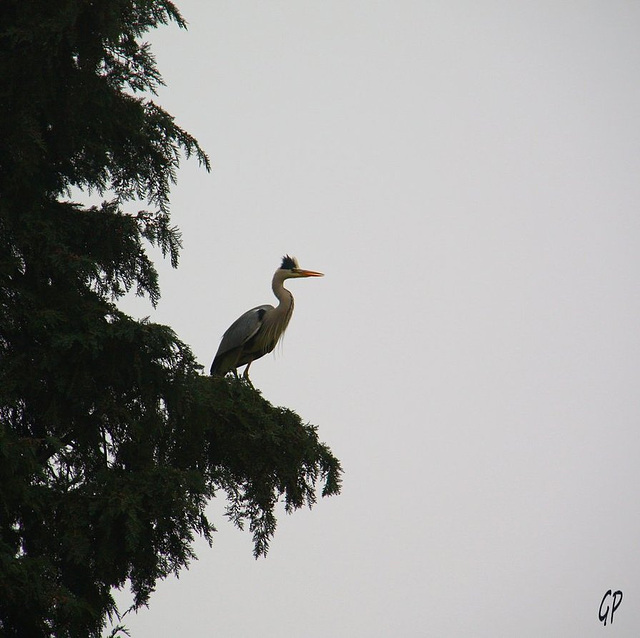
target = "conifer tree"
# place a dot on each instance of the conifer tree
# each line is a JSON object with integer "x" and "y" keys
{"x": 111, "y": 440}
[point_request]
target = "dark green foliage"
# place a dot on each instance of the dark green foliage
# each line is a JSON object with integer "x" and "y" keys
{"x": 74, "y": 81}
{"x": 261, "y": 452}
{"x": 111, "y": 441}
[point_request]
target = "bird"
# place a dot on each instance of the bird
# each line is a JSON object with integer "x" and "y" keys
{"x": 257, "y": 331}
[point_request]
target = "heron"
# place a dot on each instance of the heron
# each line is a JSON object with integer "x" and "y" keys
{"x": 258, "y": 330}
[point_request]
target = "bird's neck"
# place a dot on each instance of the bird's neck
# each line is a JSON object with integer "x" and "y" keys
{"x": 284, "y": 296}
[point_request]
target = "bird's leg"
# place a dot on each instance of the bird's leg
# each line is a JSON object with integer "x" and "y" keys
{"x": 245, "y": 376}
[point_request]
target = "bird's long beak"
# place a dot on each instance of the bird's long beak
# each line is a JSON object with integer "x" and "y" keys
{"x": 307, "y": 273}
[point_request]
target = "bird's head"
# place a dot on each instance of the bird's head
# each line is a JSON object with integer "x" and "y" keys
{"x": 290, "y": 269}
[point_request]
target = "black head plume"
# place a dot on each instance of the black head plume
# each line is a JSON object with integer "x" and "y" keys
{"x": 289, "y": 263}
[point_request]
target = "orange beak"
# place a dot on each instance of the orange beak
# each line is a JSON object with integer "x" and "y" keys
{"x": 307, "y": 273}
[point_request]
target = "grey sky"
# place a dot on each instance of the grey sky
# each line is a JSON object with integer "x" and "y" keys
{"x": 466, "y": 174}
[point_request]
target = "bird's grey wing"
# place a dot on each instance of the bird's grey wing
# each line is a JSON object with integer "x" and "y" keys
{"x": 243, "y": 328}
{"x": 239, "y": 332}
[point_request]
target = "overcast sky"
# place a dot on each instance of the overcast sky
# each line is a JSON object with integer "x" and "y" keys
{"x": 467, "y": 176}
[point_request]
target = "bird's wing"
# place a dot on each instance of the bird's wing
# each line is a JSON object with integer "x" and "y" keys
{"x": 243, "y": 328}
{"x": 239, "y": 333}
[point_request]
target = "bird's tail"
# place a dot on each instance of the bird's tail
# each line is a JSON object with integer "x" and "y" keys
{"x": 219, "y": 367}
